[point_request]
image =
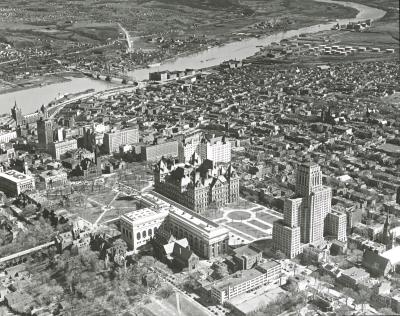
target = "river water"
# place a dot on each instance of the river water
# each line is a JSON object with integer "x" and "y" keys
{"x": 30, "y": 100}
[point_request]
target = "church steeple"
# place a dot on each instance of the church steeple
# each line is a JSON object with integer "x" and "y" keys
{"x": 16, "y": 114}
{"x": 386, "y": 236}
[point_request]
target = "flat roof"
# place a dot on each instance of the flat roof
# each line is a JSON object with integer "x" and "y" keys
{"x": 238, "y": 278}
{"x": 249, "y": 302}
{"x": 15, "y": 176}
{"x": 143, "y": 215}
{"x": 4, "y": 132}
{"x": 182, "y": 214}
{"x": 269, "y": 264}
{"x": 355, "y": 272}
{"x": 196, "y": 221}
{"x": 246, "y": 250}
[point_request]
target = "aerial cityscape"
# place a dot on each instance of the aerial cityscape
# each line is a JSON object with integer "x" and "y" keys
{"x": 199, "y": 157}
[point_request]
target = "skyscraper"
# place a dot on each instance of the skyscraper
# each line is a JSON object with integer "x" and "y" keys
{"x": 45, "y": 132}
{"x": 304, "y": 215}
{"x": 316, "y": 202}
{"x": 286, "y": 232}
{"x": 308, "y": 179}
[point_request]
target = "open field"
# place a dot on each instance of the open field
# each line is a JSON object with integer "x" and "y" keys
{"x": 247, "y": 229}
{"x": 95, "y": 21}
{"x": 175, "y": 305}
{"x": 103, "y": 197}
{"x": 86, "y": 209}
{"x": 239, "y": 215}
{"x": 123, "y": 201}
{"x": 114, "y": 213}
{"x": 269, "y": 218}
{"x": 259, "y": 224}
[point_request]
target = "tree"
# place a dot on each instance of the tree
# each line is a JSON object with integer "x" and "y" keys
{"x": 363, "y": 296}
{"x": 327, "y": 279}
{"x": 291, "y": 285}
{"x": 386, "y": 311}
{"x": 220, "y": 271}
{"x": 349, "y": 293}
{"x": 190, "y": 282}
{"x": 352, "y": 247}
{"x": 279, "y": 255}
{"x": 343, "y": 310}
{"x": 165, "y": 291}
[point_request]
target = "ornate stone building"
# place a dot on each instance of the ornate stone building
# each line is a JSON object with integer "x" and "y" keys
{"x": 197, "y": 184}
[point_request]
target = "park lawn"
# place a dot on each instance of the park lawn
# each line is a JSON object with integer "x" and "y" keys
{"x": 221, "y": 221}
{"x": 114, "y": 213}
{"x": 90, "y": 211}
{"x": 103, "y": 197}
{"x": 247, "y": 229}
{"x": 239, "y": 215}
{"x": 123, "y": 201}
{"x": 169, "y": 306}
{"x": 268, "y": 218}
{"x": 213, "y": 214}
{"x": 241, "y": 204}
{"x": 259, "y": 224}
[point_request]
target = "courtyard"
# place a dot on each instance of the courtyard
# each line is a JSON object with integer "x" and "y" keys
{"x": 246, "y": 221}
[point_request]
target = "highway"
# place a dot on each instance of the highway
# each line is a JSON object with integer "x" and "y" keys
{"x": 61, "y": 105}
{"x": 128, "y": 37}
{"x": 26, "y": 252}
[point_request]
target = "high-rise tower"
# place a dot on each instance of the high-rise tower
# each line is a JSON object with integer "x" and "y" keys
{"x": 45, "y": 132}
{"x": 316, "y": 202}
{"x": 304, "y": 215}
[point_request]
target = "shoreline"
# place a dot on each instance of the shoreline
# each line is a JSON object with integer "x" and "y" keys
{"x": 41, "y": 81}
{"x": 167, "y": 62}
{"x": 62, "y": 76}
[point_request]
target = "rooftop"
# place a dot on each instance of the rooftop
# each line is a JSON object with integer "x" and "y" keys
{"x": 238, "y": 278}
{"x": 15, "y": 176}
{"x": 268, "y": 264}
{"x": 393, "y": 255}
{"x": 246, "y": 251}
{"x": 144, "y": 214}
{"x": 355, "y": 273}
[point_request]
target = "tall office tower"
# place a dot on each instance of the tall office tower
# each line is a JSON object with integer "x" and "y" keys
{"x": 45, "y": 132}
{"x": 308, "y": 179}
{"x": 286, "y": 232}
{"x": 398, "y": 195}
{"x": 292, "y": 212}
{"x": 112, "y": 141}
{"x": 303, "y": 216}
{"x": 316, "y": 202}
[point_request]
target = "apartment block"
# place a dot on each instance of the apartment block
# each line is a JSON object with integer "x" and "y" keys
{"x": 57, "y": 149}
{"x": 113, "y": 140}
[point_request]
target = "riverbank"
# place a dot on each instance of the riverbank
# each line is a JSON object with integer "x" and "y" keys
{"x": 30, "y": 100}
{"x": 41, "y": 81}
{"x": 275, "y": 17}
{"x": 200, "y": 60}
